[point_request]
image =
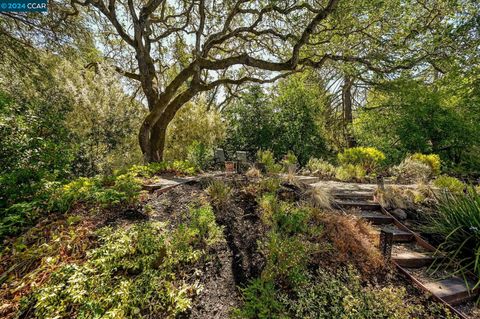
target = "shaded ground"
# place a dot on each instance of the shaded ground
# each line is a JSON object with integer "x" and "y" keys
{"x": 232, "y": 263}
{"x": 220, "y": 293}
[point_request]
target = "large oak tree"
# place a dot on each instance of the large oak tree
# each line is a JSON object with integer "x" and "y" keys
{"x": 176, "y": 49}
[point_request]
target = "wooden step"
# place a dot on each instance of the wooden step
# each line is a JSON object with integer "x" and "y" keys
{"x": 308, "y": 179}
{"x": 376, "y": 218}
{"x": 413, "y": 259}
{"x": 452, "y": 290}
{"x": 353, "y": 195}
{"x": 399, "y": 236}
{"x": 365, "y": 205}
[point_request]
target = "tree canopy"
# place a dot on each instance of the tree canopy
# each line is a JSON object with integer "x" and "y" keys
{"x": 175, "y": 50}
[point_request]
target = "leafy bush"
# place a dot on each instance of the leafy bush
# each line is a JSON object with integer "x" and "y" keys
{"x": 269, "y": 184}
{"x": 287, "y": 259}
{"x": 198, "y": 155}
{"x": 350, "y": 172}
{"x": 450, "y": 184}
{"x": 458, "y": 222}
{"x": 266, "y": 158}
{"x": 290, "y": 159}
{"x": 219, "y": 191}
{"x": 290, "y": 220}
{"x": 134, "y": 270}
{"x": 260, "y": 301}
{"x": 184, "y": 167}
{"x": 342, "y": 295}
{"x": 17, "y": 216}
{"x": 178, "y": 167}
{"x": 125, "y": 189}
{"x": 369, "y": 158}
{"x": 411, "y": 171}
{"x": 320, "y": 168}
{"x": 269, "y": 205}
{"x": 432, "y": 160}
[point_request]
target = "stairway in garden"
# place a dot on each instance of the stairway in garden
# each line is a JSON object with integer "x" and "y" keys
{"x": 412, "y": 255}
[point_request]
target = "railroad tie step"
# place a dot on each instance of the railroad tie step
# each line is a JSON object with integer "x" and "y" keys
{"x": 453, "y": 290}
{"x": 414, "y": 259}
{"x": 363, "y": 196}
{"x": 398, "y": 235}
{"x": 365, "y": 205}
{"x": 376, "y": 218}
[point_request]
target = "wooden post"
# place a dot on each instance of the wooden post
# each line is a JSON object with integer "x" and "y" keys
{"x": 380, "y": 182}
{"x": 386, "y": 243}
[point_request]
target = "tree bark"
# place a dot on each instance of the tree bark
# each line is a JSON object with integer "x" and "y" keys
{"x": 348, "y": 111}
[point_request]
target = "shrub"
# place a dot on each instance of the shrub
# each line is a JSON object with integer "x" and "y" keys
{"x": 458, "y": 222}
{"x": 321, "y": 168}
{"x": 392, "y": 197}
{"x": 267, "y": 158}
{"x": 135, "y": 270}
{"x": 342, "y": 295}
{"x": 198, "y": 155}
{"x": 181, "y": 167}
{"x": 432, "y": 160}
{"x": 350, "y": 172}
{"x": 283, "y": 217}
{"x": 125, "y": 189}
{"x": 269, "y": 184}
{"x": 269, "y": 205}
{"x": 202, "y": 222}
{"x": 411, "y": 171}
{"x": 451, "y": 184}
{"x": 219, "y": 191}
{"x": 184, "y": 167}
{"x": 146, "y": 170}
{"x": 260, "y": 301}
{"x": 287, "y": 259}
{"x": 290, "y": 159}
{"x": 16, "y": 217}
{"x": 367, "y": 157}
{"x": 290, "y": 220}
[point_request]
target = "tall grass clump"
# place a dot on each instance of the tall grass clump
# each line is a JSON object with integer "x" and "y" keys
{"x": 219, "y": 191}
{"x": 458, "y": 222}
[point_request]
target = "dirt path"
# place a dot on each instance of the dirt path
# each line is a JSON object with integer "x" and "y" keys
{"x": 220, "y": 293}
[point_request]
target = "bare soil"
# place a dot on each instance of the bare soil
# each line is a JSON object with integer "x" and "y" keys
{"x": 220, "y": 293}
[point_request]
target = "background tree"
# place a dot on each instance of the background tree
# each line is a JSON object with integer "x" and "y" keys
{"x": 292, "y": 120}
{"x": 176, "y": 50}
{"x": 441, "y": 117}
